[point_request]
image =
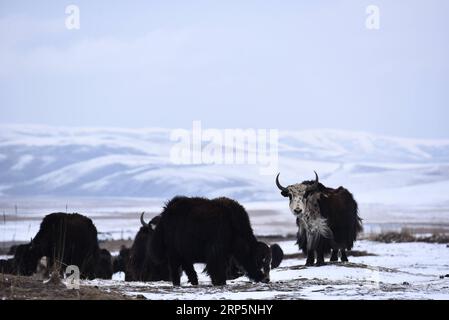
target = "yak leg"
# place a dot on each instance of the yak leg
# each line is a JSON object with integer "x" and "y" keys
{"x": 175, "y": 273}
{"x": 216, "y": 267}
{"x": 320, "y": 256}
{"x": 343, "y": 258}
{"x": 310, "y": 258}
{"x": 191, "y": 273}
{"x": 334, "y": 255}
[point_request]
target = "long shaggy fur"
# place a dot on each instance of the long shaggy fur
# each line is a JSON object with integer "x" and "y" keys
{"x": 65, "y": 239}
{"x": 210, "y": 231}
{"x": 336, "y": 223}
{"x": 140, "y": 266}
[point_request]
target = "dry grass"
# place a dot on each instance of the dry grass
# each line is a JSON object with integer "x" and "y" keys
{"x": 407, "y": 236}
{"x": 28, "y": 288}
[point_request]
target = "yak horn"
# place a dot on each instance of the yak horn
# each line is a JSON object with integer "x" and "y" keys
{"x": 315, "y": 183}
{"x": 279, "y": 185}
{"x": 143, "y": 221}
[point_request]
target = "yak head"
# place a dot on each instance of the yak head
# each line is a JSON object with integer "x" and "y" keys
{"x": 263, "y": 260}
{"x": 267, "y": 258}
{"x": 150, "y": 225}
{"x": 141, "y": 249}
{"x": 299, "y": 195}
{"x": 305, "y": 205}
{"x": 26, "y": 258}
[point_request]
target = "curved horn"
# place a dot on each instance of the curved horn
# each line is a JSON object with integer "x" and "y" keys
{"x": 279, "y": 185}
{"x": 143, "y": 221}
{"x": 316, "y": 178}
{"x": 315, "y": 184}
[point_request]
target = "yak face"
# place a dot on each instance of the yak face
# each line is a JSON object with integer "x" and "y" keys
{"x": 305, "y": 205}
{"x": 263, "y": 260}
{"x": 298, "y": 194}
{"x": 26, "y": 259}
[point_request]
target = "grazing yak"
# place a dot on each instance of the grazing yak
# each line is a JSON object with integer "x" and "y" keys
{"x": 195, "y": 229}
{"x": 235, "y": 271}
{"x": 65, "y": 239}
{"x": 327, "y": 219}
{"x": 138, "y": 265}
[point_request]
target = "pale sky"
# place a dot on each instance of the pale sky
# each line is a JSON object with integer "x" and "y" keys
{"x": 231, "y": 64}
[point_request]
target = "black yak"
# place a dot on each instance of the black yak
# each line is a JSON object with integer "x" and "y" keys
{"x": 327, "y": 219}
{"x": 6, "y": 266}
{"x": 120, "y": 262}
{"x": 12, "y": 250}
{"x": 65, "y": 239}
{"x": 142, "y": 268}
{"x": 276, "y": 255}
{"x": 103, "y": 266}
{"x": 195, "y": 229}
{"x": 25, "y": 259}
{"x": 234, "y": 270}
{"x": 138, "y": 265}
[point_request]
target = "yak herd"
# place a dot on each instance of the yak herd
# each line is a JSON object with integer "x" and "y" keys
{"x": 216, "y": 232}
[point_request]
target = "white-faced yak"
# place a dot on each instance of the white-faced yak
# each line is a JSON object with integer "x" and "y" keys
{"x": 207, "y": 231}
{"x": 327, "y": 219}
{"x": 65, "y": 239}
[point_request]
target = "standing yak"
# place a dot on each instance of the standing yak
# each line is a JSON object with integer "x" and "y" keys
{"x": 195, "y": 229}
{"x": 65, "y": 239}
{"x": 327, "y": 219}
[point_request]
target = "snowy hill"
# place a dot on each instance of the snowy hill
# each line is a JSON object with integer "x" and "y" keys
{"x": 108, "y": 162}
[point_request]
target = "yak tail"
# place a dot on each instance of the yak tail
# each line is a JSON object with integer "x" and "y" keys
{"x": 358, "y": 222}
{"x": 358, "y": 225}
{"x": 157, "y": 247}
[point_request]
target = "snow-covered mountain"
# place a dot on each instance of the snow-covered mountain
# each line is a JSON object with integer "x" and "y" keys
{"x": 110, "y": 162}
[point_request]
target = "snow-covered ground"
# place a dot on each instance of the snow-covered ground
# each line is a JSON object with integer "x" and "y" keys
{"x": 385, "y": 271}
{"x": 112, "y": 174}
